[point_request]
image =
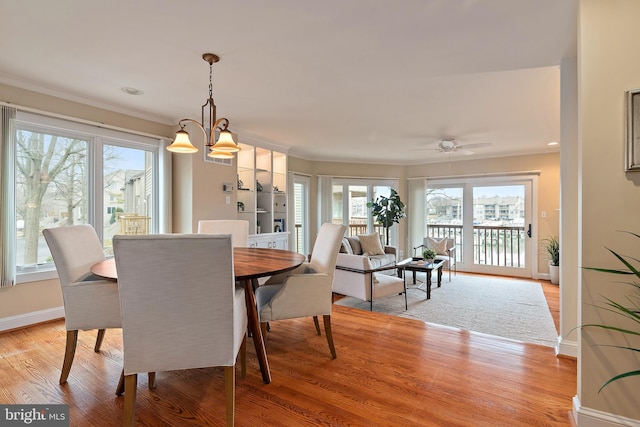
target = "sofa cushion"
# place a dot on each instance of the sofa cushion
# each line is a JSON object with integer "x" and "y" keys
{"x": 355, "y": 245}
{"x": 371, "y": 244}
{"x": 382, "y": 260}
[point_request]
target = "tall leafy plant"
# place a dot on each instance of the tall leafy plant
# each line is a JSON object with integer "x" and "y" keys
{"x": 387, "y": 211}
{"x": 629, "y": 309}
{"x": 552, "y": 246}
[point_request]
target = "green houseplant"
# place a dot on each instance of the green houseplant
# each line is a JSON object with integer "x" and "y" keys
{"x": 429, "y": 254}
{"x": 387, "y": 211}
{"x": 552, "y": 247}
{"x": 629, "y": 309}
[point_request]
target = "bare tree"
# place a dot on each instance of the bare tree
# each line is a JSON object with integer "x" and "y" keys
{"x": 40, "y": 160}
{"x": 71, "y": 187}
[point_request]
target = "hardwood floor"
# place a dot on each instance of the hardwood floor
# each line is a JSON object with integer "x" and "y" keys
{"x": 390, "y": 371}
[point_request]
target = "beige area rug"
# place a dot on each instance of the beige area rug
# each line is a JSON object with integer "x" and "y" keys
{"x": 505, "y": 307}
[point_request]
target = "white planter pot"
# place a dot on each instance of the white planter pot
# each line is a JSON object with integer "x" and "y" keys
{"x": 554, "y": 273}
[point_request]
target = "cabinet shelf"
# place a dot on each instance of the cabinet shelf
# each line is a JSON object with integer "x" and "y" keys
{"x": 263, "y": 168}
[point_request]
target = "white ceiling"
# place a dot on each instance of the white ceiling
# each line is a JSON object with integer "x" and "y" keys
{"x": 349, "y": 80}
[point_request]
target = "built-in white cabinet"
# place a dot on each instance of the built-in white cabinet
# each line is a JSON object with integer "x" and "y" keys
{"x": 262, "y": 195}
{"x": 270, "y": 240}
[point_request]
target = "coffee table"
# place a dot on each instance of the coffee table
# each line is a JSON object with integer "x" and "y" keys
{"x": 415, "y": 265}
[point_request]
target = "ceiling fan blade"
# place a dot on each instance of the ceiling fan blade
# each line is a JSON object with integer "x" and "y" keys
{"x": 465, "y": 152}
{"x": 475, "y": 145}
{"x": 424, "y": 149}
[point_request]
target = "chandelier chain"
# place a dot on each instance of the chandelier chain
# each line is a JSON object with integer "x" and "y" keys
{"x": 210, "y": 80}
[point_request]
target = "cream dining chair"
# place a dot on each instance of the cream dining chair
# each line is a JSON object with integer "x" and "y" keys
{"x": 307, "y": 290}
{"x": 89, "y": 301}
{"x": 238, "y": 229}
{"x": 180, "y": 308}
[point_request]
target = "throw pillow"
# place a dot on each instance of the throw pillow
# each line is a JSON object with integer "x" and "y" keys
{"x": 371, "y": 244}
{"x": 438, "y": 245}
{"x": 355, "y": 245}
{"x": 345, "y": 248}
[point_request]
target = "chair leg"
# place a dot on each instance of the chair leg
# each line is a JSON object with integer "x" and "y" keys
{"x": 130, "y": 385}
{"x": 120, "y": 388}
{"x": 230, "y": 390}
{"x": 243, "y": 358}
{"x": 99, "y": 339}
{"x": 152, "y": 380}
{"x": 263, "y": 326}
{"x": 327, "y": 331}
{"x": 69, "y": 352}
{"x": 406, "y": 304}
{"x": 315, "y": 322}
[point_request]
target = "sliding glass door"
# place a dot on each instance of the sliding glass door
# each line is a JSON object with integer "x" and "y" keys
{"x": 491, "y": 221}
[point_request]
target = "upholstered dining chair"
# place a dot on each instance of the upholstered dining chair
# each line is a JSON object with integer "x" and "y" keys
{"x": 180, "y": 308}
{"x": 307, "y": 290}
{"x": 239, "y": 229}
{"x": 89, "y": 301}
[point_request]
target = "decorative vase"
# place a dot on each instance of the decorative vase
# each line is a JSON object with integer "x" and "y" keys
{"x": 554, "y": 273}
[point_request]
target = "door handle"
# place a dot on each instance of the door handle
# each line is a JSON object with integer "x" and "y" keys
{"x": 529, "y": 231}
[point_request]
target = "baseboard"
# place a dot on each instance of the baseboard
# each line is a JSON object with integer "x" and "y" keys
{"x": 586, "y": 417}
{"x": 567, "y": 348}
{"x": 27, "y": 319}
{"x": 544, "y": 276}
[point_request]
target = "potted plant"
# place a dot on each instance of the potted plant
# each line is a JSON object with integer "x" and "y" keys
{"x": 628, "y": 309}
{"x": 552, "y": 246}
{"x": 387, "y": 211}
{"x": 429, "y": 255}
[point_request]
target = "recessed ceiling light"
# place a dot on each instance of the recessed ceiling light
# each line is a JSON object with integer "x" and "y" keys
{"x": 552, "y": 143}
{"x": 131, "y": 91}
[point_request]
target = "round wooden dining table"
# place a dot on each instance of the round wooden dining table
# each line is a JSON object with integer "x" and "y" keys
{"x": 249, "y": 265}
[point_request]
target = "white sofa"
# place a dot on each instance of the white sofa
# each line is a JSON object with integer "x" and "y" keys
{"x": 366, "y": 277}
{"x": 351, "y": 246}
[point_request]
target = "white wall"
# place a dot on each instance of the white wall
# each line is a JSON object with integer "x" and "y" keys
{"x": 608, "y": 65}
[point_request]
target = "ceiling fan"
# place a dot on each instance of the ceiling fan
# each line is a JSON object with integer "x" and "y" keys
{"x": 449, "y": 145}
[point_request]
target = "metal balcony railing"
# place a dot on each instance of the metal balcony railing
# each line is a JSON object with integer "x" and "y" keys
{"x": 492, "y": 244}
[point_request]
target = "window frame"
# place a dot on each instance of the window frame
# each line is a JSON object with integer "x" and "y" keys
{"x": 97, "y": 138}
{"x": 369, "y": 183}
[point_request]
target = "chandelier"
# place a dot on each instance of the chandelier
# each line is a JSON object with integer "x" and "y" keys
{"x": 224, "y": 147}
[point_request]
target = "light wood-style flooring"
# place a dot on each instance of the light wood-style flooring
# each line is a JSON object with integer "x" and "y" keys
{"x": 390, "y": 371}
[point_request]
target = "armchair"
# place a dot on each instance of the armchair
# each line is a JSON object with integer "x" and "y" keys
{"x": 445, "y": 248}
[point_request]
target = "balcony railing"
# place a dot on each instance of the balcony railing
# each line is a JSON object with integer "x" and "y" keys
{"x": 353, "y": 230}
{"x": 492, "y": 245}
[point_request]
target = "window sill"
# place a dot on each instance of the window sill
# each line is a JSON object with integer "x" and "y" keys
{"x": 36, "y": 276}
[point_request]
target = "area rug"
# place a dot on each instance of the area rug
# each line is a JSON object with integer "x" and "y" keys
{"x": 505, "y": 307}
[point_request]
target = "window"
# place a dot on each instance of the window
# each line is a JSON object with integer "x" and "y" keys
{"x": 301, "y": 186}
{"x": 68, "y": 173}
{"x": 349, "y": 206}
